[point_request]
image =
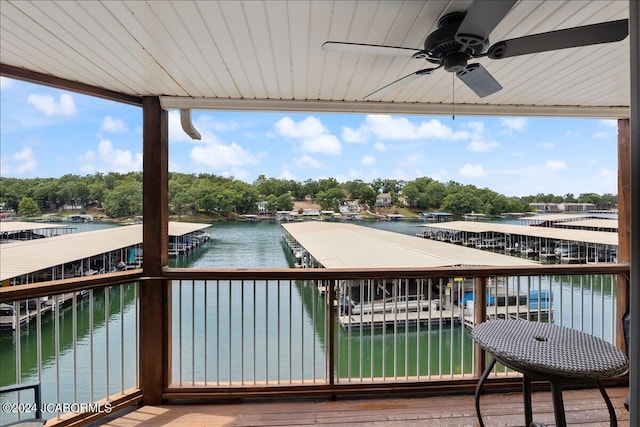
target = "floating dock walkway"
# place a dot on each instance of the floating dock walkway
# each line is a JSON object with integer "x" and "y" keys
{"x": 317, "y": 244}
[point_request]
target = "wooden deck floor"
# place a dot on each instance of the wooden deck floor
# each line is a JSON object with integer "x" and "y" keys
{"x": 583, "y": 408}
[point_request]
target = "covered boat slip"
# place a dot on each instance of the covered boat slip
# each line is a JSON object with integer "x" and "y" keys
{"x": 567, "y": 245}
{"x": 598, "y": 224}
{"x": 344, "y": 245}
{"x": 106, "y": 248}
{"x": 21, "y": 230}
{"x": 370, "y": 303}
{"x": 78, "y": 254}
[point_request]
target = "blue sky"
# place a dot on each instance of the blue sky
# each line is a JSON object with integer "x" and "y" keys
{"x": 48, "y": 133}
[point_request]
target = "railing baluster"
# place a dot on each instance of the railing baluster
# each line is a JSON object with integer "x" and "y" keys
{"x": 74, "y": 331}
{"x": 122, "y": 387}
{"x": 255, "y": 334}
{"x": 205, "y": 319}
{"x": 107, "y": 309}
{"x": 218, "y": 363}
{"x": 91, "y": 360}
{"x": 193, "y": 332}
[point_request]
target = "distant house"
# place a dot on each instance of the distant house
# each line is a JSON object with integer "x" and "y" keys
{"x": 262, "y": 207}
{"x": 545, "y": 207}
{"x": 383, "y": 200}
{"x": 576, "y": 207}
{"x": 352, "y": 207}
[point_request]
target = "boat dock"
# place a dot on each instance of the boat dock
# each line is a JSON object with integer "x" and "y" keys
{"x": 87, "y": 253}
{"x": 81, "y": 254}
{"x": 13, "y": 231}
{"x": 564, "y": 244}
{"x": 369, "y": 303}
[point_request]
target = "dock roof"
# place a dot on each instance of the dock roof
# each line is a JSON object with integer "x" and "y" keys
{"x": 587, "y": 236}
{"x": 13, "y": 226}
{"x": 592, "y": 223}
{"x": 343, "y": 245}
{"x": 557, "y": 217}
{"x": 20, "y": 258}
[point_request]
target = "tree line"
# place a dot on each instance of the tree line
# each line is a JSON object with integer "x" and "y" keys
{"x": 120, "y": 195}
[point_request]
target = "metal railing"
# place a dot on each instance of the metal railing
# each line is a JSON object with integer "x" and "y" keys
{"x": 82, "y": 346}
{"x": 306, "y": 332}
{"x": 331, "y": 329}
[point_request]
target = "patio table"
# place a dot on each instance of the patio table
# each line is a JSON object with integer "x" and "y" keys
{"x": 549, "y": 352}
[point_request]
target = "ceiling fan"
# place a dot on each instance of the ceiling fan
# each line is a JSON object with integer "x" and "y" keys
{"x": 463, "y": 36}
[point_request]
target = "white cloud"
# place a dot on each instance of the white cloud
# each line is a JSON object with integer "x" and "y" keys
{"x": 19, "y": 163}
{"x": 325, "y": 144}
{"x": 514, "y": 124}
{"x": 5, "y": 83}
{"x": 610, "y": 129}
{"x": 307, "y": 162}
{"x": 440, "y": 175}
{"x": 610, "y": 123}
{"x": 46, "y": 104}
{"x": 285, "y": 174}
{"x": 204, "y": 124}
{"x": 547, "y": 145}
{"x": 478, "y": 141}
{"x": 211, "y": 123}
{"x": 216, "y": 155}
{"x": 109, "y": 124}
{"x": 380, "y": 146}
{"x": 108, "y": 159}
{"x": 311, "y": 133}
{"x": 400, "y": 174}
{"x": 368, "y": 160}
{"x": 604, "y": 135}
{"x": 482, "y": 146}
{"x": 472, "y": 171}
{"x": 398, "y": 128}
{"x": 556, "y": 164}
{"x": 310, "y": 127}
{"x": 358, "y": 136}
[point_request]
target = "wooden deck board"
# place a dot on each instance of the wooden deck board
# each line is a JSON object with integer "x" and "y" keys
{"x": 583, "y": 408}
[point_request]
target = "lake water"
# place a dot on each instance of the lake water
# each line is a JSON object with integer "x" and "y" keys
{"x": 233, "y": 245}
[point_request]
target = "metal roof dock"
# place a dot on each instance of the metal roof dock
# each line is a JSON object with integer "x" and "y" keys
{"x": 586, "y": 236}
{"x": 25, "y": 257}
{"x": 23, "y": 230}
{"x": 343, "y": 245}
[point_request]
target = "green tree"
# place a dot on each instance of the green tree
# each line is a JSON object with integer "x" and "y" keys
{"x": 331, "y": 199}
{"x": 462, "y": 201}
{"x": 124, "y": 200}
{"x": 310, "y": 188}
{"x": 28, "y": 207}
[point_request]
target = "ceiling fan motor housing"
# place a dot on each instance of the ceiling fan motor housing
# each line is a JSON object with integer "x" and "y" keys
{"x": 451, "y": 49}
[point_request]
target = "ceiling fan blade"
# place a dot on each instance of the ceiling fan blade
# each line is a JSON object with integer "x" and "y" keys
{"x": 483, "y": 16}
{"x": 604, "y": 32}
{"x": 373, "y": 49}
{"x": 478, "y": 79}
{"x": 400, "y": 82}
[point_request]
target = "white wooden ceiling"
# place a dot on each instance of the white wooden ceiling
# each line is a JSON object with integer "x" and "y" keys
{"x": 267, "y": 54}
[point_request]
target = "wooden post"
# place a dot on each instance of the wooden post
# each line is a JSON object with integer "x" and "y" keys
{"x": 624, "y": 224}
{"x": 479, "y": 316}
{"x": 155, "y": 301}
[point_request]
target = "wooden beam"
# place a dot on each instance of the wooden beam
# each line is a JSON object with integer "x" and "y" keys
{"x": 64, "y": 84}
{"x": 155, "y": 301}
{"x": 624, "y": 224}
